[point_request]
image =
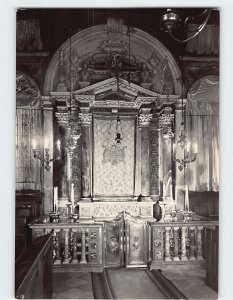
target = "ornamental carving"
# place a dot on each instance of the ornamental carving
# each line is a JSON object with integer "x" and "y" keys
{"x": 113, "y": 245}
{"x": 62, "y": 118}
{"x": 154, "y": 162}
{"x": 136, "y": 243}
{"x": 158, "y": 246}
{"x": 165, "y": 123}
{"x": 85, "y": 118}
{"x": 144, "y": 119}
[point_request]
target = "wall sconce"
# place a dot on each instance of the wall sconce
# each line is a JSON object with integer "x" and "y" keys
{"x": 189, "y": 155}
{"x": 45, "y": 159}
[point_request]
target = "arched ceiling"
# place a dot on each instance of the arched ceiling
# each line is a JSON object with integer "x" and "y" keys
{"x": 98, "y": 49}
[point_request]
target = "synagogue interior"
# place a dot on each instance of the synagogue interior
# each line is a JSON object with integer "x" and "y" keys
{"x": 117, "y": 153}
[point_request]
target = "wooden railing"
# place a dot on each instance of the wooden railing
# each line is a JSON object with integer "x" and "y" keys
{"x": 89, "y": 246}
{"x": 178, "y": 243}
{"x": 74, "y": 244}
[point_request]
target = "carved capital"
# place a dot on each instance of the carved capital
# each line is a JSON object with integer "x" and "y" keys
{"x": 144, "y": 119}
{"x": 62, "y": 118}
{"x": 85, "y": 118}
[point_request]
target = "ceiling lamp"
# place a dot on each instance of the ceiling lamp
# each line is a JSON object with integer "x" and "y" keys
{"x": 172, "y": 21}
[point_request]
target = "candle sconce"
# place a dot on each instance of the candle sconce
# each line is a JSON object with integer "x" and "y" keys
{"x": 46, "y": 160}
{"x": 189, "y": 155}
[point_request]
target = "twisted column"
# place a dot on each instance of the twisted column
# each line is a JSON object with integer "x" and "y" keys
{"x": 75, "y": 253}
{"x": 183, "y": 243}
{"x": 176, "y": 245}
{"x": 56, "y": 246}
{"x": 167, "y": 244}
{"x": 192, "y": 243}
{"x": 66, "y": 247}
{"x": 199, "y": 243}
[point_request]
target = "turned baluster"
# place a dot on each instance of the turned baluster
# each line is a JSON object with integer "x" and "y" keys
{"x": 199, "y": 243}
{"x": 75, "y": 253}
{"x": 183, "y": 243}
{"x": 66, "y": 247}
{"x": 56, "y": 246}
{"x": 192, "y": 243}
{"x": 176, "y": 245}
{"x": 167, "y": 244}
{"x": 83, "y": 247}
{"x": 47, "y": 231}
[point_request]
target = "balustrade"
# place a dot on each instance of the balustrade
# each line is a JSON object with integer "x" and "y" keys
{"x": 178, "y": 242}
{"x": 73, "y": 243}
{"x": 83, "y": 244}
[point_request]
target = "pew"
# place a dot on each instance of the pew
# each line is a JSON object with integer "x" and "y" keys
{"x": 33, "y": 270}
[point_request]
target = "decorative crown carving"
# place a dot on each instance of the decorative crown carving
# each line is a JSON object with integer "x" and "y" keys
{"x": 144, "y": 119}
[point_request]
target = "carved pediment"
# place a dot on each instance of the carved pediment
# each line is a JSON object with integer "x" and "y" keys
{"x": 111, "y": 86}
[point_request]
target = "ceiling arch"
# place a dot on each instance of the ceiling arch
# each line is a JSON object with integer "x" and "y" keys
{"x": 95, "y": 45}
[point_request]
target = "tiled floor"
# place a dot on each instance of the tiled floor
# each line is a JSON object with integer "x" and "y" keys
{"x": 78, "y": 285}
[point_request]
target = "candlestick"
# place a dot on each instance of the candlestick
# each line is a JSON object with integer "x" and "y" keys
{"x": 58, "y": 145}
{"x": 174, "y": 148}
{"x": 186, "y": 198}
{"x": 55, "y": 198}
{"x": 72, "y": 194}
{"x": 164, "y": 191}
{"x": 171, "y": 194}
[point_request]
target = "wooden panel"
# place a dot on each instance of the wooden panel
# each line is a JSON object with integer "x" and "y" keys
{"x": 212, "y": 258}
{"x": 136, "y": 244}
{"x": 114, "y": 232}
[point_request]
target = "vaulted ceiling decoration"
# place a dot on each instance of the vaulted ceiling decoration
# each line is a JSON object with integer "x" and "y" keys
{"x": 94, "y": 52}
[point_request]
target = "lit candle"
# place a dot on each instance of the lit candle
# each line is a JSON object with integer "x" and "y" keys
{"x": 186, "y": 198}
{"x": 72, "y": 194}
{"x": 174, "y": 148}
{"x": 195, "y": 148}
{"x": 58, "y": 145}
{"x": 188, "y": 146}
{"x": 164, "y": 191}
{"x": 55, "y": 198}
{"x": 171, "y": 195}
{"x": 33, "y": 144}
{"x": 46, "y": 144}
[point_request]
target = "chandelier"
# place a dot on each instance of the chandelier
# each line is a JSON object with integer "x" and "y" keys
{"x": 187, "y": 153}
{"x": 172, "y": 22}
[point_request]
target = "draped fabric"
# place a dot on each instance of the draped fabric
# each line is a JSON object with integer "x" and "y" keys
{"x": 202, "y": 125}
{"x": 28, "y": 128}
{"x": 206, "y": 42}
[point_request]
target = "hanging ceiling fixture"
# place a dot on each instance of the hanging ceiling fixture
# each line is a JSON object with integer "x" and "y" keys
{"x": 73, "y": 132}
{"x": 118, "y": 136}
{"x": 172, "y": 21}
{"x": 188, "y": 151}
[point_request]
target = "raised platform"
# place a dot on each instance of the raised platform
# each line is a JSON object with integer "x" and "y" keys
{"x": 109, "y": 210}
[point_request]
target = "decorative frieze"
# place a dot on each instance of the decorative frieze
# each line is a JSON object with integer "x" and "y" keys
{"x": 112, "y": 209}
